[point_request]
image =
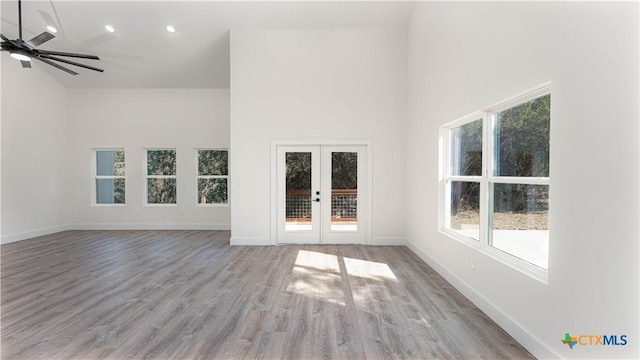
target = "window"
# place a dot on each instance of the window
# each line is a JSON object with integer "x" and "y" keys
{"x": 466, "y": 170}
{"x": 496, "y": 181}
{"x": 109, "y": 176}
{"x": 161, "y": 176}
{"x": 213, "y": 176}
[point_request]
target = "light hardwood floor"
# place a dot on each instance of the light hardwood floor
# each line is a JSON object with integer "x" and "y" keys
{"x": 189, "y": 295}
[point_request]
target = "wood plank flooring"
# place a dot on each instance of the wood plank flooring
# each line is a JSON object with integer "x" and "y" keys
{"x": 189, "y": 295}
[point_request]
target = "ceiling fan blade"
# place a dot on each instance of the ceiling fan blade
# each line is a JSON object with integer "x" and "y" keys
{"x": 56, "y": 65}
{"x": 40, "y": 39}
{"x": 8, "y": 42}
{"x": 25, "y": 64}
{"x": 59, "y": 53}
{"x": 71, "y": 62}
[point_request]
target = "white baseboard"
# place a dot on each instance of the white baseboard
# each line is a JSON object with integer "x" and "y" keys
{"x": 146, "y": 226}
{"x": 260, "y": 241}
{"x": 526, "y": 339}
{"x": 388, "y": 241}
{"x": 6, "y": 239}
{"x": 109, "y": 226}
{"x": 250, "y": 241}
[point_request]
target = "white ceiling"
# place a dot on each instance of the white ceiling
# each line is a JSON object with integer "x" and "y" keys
{"x": 142, "y": 54}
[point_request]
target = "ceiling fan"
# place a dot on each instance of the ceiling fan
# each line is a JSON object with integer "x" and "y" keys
{"x": 26, "y": 50}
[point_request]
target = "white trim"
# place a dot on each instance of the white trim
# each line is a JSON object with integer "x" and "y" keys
{"x": 213, "y": 205}
{"x": 523, "y": 266}
{"x": 149, "y": 226}
{"x": 6, "y": 239}
{"x": 463, "y": 239}
{"x": 95, "y": 176}
{"x": 273, "y": 197}
{"x": 274, "y": 183}
{"x": 485, "y": 181}
{"x": 535, "y": 92}
{"x": 162, "y": 176}
{"x": 478, "y": 115}
{"x": 470, "y": 178}
{"x": 314, "y": 234}
{"x": 518, "y": 180}
{"x": 388, "y": 241}
{"x": 319, "y": 142}
{"x": 443, "y": 199}
{"x": 145, "y": 183}
{"x": 538, "y": 348}
{"x": 198, "y": 176}
{"x": 249, "y": 241}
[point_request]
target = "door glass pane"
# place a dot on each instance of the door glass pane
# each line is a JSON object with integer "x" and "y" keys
{"x": 298, "y": 191}
{"x": 465, "y": 208}
{"x": 344, "y": 191}
{"x": 520, "y": 221}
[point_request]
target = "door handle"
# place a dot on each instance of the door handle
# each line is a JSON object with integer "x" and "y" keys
{"x": 316, "y": 199}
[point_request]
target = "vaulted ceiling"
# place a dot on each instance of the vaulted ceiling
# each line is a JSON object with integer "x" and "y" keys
{"x": 141, "y": 53}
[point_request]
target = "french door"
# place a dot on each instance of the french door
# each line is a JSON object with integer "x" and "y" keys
{"x": 321, "y": 194}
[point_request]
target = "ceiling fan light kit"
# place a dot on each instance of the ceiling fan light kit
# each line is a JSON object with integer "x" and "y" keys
{"x": 26, "y": 50}
{"x": 20, "y": 55}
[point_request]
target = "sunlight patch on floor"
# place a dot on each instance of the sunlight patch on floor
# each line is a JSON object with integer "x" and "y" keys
{"x": 369, "y": 269}
{"x": 318, "y": 275}
{"x": 317, "y": 260}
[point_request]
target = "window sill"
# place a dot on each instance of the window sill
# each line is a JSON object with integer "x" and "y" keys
{"x": 212, "y": 205}
{"x": 461, "y": 238}
{"x": 507, "y": 259}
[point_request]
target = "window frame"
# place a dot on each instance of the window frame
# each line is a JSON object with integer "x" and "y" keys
{"x": 198, "y": 177}
{"x": 486, "y": 180}
{"x": 449, "y": 178}
{"x": 145, "y": 193}
{"x": 95, "y": 177}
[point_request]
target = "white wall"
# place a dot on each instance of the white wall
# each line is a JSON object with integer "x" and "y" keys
{"x": 466, "y": 56}
{"x": 34, "y": 145}
{"x": 316, "y": 84}
{"x": 184, "y": 119}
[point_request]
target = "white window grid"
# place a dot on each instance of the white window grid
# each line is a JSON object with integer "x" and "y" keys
{"x": 198, "y": 176}
{"x": 147, "y": 176}
{"x": 96, "y": 177}
{"x": 486, "y": 180}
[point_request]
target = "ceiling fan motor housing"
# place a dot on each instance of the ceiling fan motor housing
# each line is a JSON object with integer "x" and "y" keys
{"x": 26, "y": 50}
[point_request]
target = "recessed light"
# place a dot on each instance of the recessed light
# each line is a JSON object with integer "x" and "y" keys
{"x": 171, "y": 29}
{"x": 52, "y": 29}
{"x": 109, "y": 28}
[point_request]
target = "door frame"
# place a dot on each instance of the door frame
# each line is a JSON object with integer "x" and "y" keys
{"x": 319, "y": 142}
